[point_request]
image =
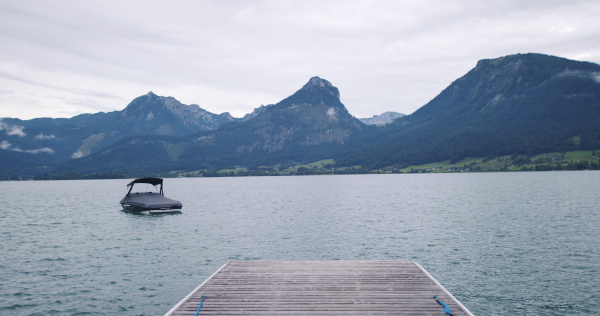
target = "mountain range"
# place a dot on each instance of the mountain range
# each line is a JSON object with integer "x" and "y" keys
{"x": 523, "y": 104}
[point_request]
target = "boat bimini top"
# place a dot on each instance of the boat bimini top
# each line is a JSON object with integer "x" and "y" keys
{"x": 153, "y": 181}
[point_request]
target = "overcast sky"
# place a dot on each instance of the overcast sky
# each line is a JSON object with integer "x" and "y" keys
{"x": 63, "y": 58}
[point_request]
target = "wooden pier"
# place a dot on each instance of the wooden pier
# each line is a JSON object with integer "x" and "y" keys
{"x": 398, "y": 287}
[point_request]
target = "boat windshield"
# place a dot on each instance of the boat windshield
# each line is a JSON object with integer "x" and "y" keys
{"x": 145, "y": 187}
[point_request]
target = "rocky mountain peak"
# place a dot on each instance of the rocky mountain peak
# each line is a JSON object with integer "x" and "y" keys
{"x": 312, "y": 116}
{"x": 153, "y": 114}
{"x": 318, "y": 84}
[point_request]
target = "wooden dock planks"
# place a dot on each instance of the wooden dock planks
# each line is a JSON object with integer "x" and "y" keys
{"x": 396, "y": 287}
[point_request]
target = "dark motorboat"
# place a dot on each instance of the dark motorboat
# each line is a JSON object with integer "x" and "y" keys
{"x": 151, "y": 202}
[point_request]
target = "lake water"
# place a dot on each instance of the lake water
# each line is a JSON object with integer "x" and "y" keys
{"x": 501, "y": 243}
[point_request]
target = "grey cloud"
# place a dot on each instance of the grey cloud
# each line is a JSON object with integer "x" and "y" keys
{"x": 4, "y": 145}
{"x": 36, "y": 151}
{"x": 12, "y": 130}
{"x": 43, "y": 136}
{"x": 77, "y": 154}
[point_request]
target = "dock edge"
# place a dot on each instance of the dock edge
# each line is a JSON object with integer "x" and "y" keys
{"x": 172, "y": 310}
{"x": 443, "y": 288}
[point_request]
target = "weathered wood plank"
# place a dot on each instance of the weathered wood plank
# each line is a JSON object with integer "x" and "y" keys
{"x": 399, "y": 287}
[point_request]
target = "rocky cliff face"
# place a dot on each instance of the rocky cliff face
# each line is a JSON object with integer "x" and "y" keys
{"x": 383, "y": 119}
{"x": 259, "y": 110}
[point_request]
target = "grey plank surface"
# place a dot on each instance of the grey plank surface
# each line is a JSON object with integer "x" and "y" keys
{"x": 390, "y": 287}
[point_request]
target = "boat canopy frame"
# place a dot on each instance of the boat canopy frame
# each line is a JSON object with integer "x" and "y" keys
{"x": 153, "y": 181}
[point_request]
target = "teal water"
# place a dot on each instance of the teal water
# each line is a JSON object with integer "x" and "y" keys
{"x": 501, "y": 243}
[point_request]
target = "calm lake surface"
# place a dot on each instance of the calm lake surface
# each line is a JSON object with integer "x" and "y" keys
{"x": 501, "y": 243}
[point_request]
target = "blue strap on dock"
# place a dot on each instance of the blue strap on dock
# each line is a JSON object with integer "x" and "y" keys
{"x": 200, "y": 306}
{"x": 446, "y": 306}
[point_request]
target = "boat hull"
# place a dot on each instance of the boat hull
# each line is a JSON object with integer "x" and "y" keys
{"x": 137, "y": 209}
{"x": 153, "y": 203}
